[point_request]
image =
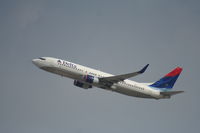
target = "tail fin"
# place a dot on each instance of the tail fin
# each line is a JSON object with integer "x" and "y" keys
{"x": 168, "y": 81}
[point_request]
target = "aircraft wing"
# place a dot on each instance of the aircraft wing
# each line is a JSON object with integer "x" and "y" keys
{"x": 118, "y": 78}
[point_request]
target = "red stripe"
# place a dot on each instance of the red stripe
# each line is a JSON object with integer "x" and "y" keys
{"x": 174, "y": 72}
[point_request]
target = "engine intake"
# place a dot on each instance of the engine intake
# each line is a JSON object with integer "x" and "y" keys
{"x": 81, "y": 84}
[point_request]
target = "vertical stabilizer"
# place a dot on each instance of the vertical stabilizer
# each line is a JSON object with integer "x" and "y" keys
{"x": 168, "y": 81}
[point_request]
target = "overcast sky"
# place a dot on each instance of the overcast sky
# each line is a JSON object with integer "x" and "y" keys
{"x": 115, "y": 36}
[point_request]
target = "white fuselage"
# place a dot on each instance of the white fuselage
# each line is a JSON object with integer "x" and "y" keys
{"x": 76, "y": 71}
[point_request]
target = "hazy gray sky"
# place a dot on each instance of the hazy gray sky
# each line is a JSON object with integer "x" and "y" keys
{"x": 116, "y": 36}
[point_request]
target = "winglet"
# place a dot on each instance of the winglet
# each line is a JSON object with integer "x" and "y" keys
{"x": 143, "y": 69}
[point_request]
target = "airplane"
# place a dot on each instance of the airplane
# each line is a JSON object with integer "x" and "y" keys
{"x": 86, "y": 78}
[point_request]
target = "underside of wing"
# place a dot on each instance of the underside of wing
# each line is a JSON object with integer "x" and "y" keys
{"x": 118, "y": 78}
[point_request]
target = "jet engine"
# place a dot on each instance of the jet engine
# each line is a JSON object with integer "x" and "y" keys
{"x": 82, "y": 85}
{"x": 91, "y": 79}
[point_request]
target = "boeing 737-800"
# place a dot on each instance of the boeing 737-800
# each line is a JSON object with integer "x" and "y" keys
{"x": 86, "y": 78}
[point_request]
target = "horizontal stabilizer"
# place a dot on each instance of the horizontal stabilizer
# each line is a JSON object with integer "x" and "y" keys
{"x": 170, "y": 93}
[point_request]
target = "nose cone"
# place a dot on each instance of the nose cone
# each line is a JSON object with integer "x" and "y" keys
{"x": 36, "y": 62}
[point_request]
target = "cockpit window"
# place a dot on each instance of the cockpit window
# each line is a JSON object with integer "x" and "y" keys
{"x": 42, "y": 58}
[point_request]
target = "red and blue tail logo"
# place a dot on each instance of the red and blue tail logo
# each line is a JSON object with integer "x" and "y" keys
{"x": 168, "y": 81}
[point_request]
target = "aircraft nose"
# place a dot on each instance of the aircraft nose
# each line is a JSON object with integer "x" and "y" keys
{"x": 35, "y": 62}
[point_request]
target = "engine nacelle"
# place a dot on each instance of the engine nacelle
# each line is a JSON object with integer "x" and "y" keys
{"x": 91, "y": 79}
{"x": 81, "y": 84}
